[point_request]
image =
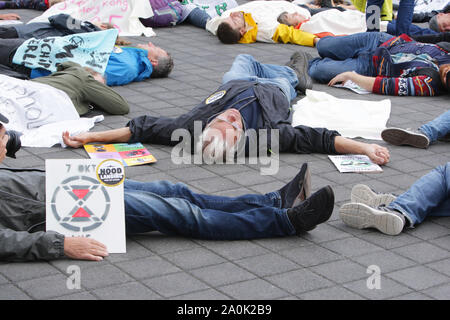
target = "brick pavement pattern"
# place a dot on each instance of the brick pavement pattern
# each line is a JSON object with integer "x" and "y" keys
{"x": 328, "y": 263}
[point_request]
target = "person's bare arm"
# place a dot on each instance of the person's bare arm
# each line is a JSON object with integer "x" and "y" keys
{"x": 362, "y": 81}
{"x": 116, "y": 135}
{"x": 376, "y": 153}
{"x": 9, "y": 16}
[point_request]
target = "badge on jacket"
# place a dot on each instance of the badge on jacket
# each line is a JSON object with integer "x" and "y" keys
{"x": 215, "y": 96}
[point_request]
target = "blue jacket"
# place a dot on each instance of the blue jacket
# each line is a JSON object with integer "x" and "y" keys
{"x": 127, "y": 65}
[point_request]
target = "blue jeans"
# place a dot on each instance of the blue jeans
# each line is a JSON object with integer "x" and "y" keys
{"x": 198, "y": 18}
{"x": 348, "y": 53}
{"x": 428, "y": 197}
{"x": 173, "y": 209}
{"x": 437, "y": 128}
{"x": 404, "y": 17}
{"x": 245, "y": 67}
{"x": 413, "y": 29}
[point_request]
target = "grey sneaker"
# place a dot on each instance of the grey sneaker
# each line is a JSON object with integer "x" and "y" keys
{"x": 361, "y": 216}
{"x": 398, "y": 137}
{"x": 363, "y": 194}
{"x": 299, "y": 63}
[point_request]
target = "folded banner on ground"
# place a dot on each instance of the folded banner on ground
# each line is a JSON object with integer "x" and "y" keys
{"x": 351, "y": 118}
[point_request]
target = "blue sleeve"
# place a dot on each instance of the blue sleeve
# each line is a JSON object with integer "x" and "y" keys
{"x": 130, "y": 65}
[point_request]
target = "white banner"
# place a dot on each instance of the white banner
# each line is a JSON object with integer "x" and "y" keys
{"x": 123, "y": 14}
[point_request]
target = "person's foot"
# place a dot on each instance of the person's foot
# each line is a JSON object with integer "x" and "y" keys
{"x": 361, "y": 216}
{"x": 299, "y": 63}
{"x": 298, "y": 189}
{"x": 398, "y": 137}
{"x": 313, "y": 211}
{"x": 363, "y": 194}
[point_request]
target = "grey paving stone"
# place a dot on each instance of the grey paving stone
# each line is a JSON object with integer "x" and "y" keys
{"x": 128, "y": 291}
{"x": 413, "y": 296}
{"x": 390, "y": 242}
{"x": 46, "y": 287}
{"x": 24, "y": 271}
{"x": 77, "y": 296}
{"x": 195, "y": 258}
{"x": 387, "y": 261}
{"x": 351, "y": 247}
{"x": 325, "y": 232}
{"x": 341, "y": 271}
{"x": 162, "y": 244}
{"x": 103, "y": 276}
{"x": 299, "y": 281}
{"x": 423, "y": 252}
{"x": 428, "y": 230}
{"x": 175, "y": 284}
{"x": 440, "y": 293}
{"x": 334, "y": 293}
{"x": 222, "y": 274}
{"x": 312, "y": 255}
{"x": 11, "y": 292}
{"x": 257, "y": 289}
{"x": 388, "y": 289}
{"x": 209, "y": 294}
{"x": 441, "y": 266}
{"x": 277, "y": 244}
{"x": 148, "y": 267}
{"x": 234, "y": 250}
{"x": 418, "y": 278}
{"x": 267, "y": 264}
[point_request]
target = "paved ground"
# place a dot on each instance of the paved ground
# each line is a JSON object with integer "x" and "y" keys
{"x": 328, "y": 263}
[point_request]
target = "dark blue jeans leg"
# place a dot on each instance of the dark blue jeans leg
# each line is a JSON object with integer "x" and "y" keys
{"x": 413, "y": 29}
{"x": 198, "y": 17}
{"x": 176, "y": 215}
{"x": 404, "y": 16}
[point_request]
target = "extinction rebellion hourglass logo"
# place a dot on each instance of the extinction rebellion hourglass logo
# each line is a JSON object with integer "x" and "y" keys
{"x": 87, "y": 198}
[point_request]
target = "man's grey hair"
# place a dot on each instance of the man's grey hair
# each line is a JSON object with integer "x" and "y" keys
{"x": 164, "y": 67}
{"x": 433, "y": 24}
{"x": 282, "y": 18}
{"x": 213, "y": 146}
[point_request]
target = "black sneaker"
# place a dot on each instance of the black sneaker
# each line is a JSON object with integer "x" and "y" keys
{"x": 299, "y": 63}
{"x": 398, "y": 137}
{"x": 297, "y": 190}
{"x": 313, "y": 211}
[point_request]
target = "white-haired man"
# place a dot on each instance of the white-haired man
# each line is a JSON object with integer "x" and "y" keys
{"x": 253, "y": 96}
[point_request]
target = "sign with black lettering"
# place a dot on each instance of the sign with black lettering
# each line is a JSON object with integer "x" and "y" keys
{"x": 90, "y": 49}
{"x": 84, "y": 198}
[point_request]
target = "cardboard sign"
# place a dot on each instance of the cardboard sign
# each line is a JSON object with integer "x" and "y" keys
{"x": 84, "y": 198}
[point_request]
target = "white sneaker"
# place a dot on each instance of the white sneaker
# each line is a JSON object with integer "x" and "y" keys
{"x": 361, "y": 216}
{"x": 363, "y": 194}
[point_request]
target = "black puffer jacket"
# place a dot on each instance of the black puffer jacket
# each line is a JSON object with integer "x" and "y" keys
{"x": 22, "y": 218}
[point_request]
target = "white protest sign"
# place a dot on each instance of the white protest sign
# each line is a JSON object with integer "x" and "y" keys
{"x": 122, "y": 14}
{"x": 84, "y": 198}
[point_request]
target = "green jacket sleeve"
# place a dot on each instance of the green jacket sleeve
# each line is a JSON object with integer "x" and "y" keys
{"x": 104, "y": 97}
